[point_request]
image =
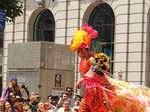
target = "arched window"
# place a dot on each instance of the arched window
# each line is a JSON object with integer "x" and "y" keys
{"x": 103, "y": 20}
{"x": 44, "y": 26}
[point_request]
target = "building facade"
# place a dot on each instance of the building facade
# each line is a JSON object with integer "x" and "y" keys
{"x": 123, "y": 27}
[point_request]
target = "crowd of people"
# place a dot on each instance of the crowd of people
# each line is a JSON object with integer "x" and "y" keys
{"x": 12, "y": 100}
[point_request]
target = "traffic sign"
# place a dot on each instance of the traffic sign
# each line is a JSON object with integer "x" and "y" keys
{"x": 2, "y": 19}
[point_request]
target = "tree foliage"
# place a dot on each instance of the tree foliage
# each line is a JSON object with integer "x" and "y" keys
{"x": 13, "y": 8}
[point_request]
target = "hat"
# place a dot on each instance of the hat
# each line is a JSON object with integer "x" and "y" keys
{"x": 83, "y": 37}
{"x": 13, "y": 78}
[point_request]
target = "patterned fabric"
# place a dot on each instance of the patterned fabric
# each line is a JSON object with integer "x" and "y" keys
{"x": 10, "y": 90}
{"x": 93, "y": 96}
{"x": 127, "y": 97}
{"x": 119, "y": 96}
{"x": 84, "y": 66}
{"x": 93, "y": 101}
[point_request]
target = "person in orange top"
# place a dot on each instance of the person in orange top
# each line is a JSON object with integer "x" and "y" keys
{"x": 104, "y": 94}
{"x": 93, "y": 97}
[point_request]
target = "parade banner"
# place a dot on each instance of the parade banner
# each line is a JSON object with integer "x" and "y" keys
{"x": 56, "y": 91}
{"x": 2, "y": 19}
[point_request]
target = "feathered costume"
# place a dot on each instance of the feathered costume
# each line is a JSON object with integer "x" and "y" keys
{"x": 119, "y": 96}
{"x": 104, "y": 94}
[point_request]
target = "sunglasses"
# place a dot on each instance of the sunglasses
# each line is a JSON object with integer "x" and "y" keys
{"x": 69, "y": 91}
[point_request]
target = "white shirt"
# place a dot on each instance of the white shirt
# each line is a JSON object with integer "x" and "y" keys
{"x": 50, "y": 111}
{"x": 62, "y": 109}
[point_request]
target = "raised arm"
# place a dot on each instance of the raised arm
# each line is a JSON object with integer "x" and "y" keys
{"x": 4, "y": 94}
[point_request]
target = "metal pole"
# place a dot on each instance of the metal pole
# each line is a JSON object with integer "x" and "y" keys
{"x": 128, "y": 32}
{"x": 66, "y": 25}
{"x": 24, "y": 22}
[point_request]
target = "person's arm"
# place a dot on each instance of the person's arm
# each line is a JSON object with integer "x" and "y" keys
{"x": 80, "y": 83}
{"x": 83, "y": 106}
{"x": 4, "y": 94}
{"x": 26, "y": 89}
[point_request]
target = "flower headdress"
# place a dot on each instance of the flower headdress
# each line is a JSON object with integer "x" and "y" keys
{"x": 101, "y": 62}
{"x": 83, "y": 37}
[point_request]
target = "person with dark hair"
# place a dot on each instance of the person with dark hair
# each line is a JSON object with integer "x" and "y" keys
{"x": 26, "y": 108}
{"x": 49, "y": 98}
{"x": 104, "y": 94}
{"x": 34, "y": 99}
{"x": 64, "y": 96}
{"x": 13, "y": 88}
{"x": 81, "y": 44}
{"x": 69, "y": 90}
{"x": 66, "y": 107}
{"x": 77, "y": 103}
{"x": 54, "y": 100}
{"x": 40, "y": 107}
{"x": 8, "y": 107}
{"x": 51, "y": 105}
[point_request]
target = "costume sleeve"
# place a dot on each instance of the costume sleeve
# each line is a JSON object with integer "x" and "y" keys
{"x": 83, "y": 106}
{"x": 84, "y": 66}
{"x": 4, "y": 94}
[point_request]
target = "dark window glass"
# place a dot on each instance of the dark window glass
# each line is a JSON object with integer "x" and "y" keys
{"x": 44, "y": 27}
{"x": 103, "y": 20}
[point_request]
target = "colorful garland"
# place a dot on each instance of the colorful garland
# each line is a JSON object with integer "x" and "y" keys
{"x": 11, "y": 89}
{"x": 101, "y": 62}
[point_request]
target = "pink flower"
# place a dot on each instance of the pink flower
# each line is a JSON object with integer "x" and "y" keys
{"x": 84, "y": 45}
{"x": 91, "y": 53}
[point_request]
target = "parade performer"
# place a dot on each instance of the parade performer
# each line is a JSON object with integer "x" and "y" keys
{"x": 13, "y": 89}
{"x": 93, "y": 98}
{"x": 81, "y": 43}
{"x": 104, "y": 94}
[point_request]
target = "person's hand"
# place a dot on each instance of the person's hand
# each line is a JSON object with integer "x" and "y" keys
{"x": 80, "y": 83}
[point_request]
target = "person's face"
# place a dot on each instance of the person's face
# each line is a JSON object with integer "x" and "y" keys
{"x": 82, "y": 52}
{"x": 49, "y": 99}
{"x": 40, "y": 105}
{"x": 54, "y": 102}
{"x": 65, "y": 96}
{"x": 37, "y": 98}
{"x": 1, "y": 106}
{"x": 69, "y": 90}
{"x": 19, "y": 107}
{"x": 14, "y": 82}
{"x": 66, "y": 105}
{"x": 25, "y": 108}
{"x": 79, "y": 53}
{"x": 77, "y": 102}
{"x": 12, "y": 98}
{"x": 7, "y": 106}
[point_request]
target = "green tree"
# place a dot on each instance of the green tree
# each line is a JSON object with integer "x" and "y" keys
{"x": 13, "y": 9}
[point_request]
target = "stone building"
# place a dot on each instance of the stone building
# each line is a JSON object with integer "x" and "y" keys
{"x": 123, "y": 27}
